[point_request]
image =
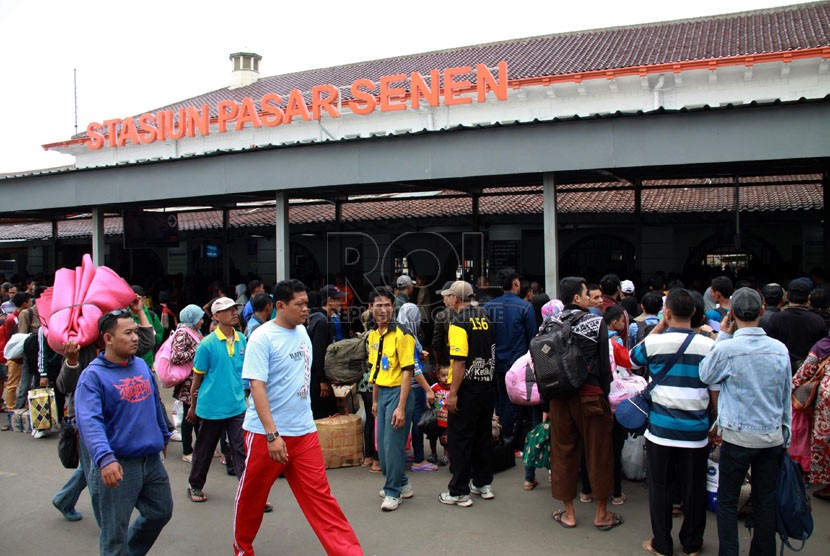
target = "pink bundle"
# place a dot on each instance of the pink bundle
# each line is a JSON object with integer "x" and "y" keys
{"x": 71, "y": 308}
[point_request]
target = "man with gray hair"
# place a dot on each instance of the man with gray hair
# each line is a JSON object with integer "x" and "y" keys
{"x": 753, "y": 373}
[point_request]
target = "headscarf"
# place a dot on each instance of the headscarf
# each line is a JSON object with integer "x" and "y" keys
{"x": 552, "y": 308}
{"x": 409, "y": 316}
{"x": 191, "y": 315}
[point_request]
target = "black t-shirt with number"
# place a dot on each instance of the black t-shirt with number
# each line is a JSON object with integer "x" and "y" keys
{"x": 473, "y": 339}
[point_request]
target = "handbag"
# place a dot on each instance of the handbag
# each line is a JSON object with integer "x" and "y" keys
{"x": 804, "y": 396}
{"x": 632, "y": 414}
{"x": 68, "y": 443}
{"x": 428, "y": 423}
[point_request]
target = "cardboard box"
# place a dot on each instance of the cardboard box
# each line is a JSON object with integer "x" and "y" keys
{"x": 341, "y": 438}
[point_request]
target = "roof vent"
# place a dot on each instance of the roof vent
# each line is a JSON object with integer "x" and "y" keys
{"x": 245, "y": 69}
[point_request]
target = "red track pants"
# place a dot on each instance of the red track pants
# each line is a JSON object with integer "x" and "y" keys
{"x": 306, "y": 475}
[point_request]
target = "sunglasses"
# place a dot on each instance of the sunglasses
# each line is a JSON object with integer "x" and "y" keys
{"x": 103, "y": 322}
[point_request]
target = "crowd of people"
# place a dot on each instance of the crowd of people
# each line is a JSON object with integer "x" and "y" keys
{"x": 722, "y": 363}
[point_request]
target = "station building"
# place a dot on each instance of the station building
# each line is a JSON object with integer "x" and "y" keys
{"x": 677, "y": 147}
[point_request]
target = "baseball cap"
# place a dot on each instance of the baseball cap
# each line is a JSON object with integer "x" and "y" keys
{"x": 222, "y": 304}
{"x": 328, "y": 291}
{"x": 403, "y": 281}
{"x": 462, "y": 290}
{"x": 447, "y": 286}
{"x": 746, "y": 304}
{"x": 801, "y": 285}
{"x": 627, "y": 286}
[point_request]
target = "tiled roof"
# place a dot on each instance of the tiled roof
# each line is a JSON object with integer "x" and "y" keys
{"x": 742, "y": 34}
{"x": 793, "y": 193}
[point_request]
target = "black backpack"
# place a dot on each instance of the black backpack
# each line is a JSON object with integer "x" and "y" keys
{"x": 793, "y": 515}
{"x": 558, "y": 362}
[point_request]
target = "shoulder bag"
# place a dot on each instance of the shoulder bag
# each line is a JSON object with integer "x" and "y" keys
{"x": 633, "y": 412}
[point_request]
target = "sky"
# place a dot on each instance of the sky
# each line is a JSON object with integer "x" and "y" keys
{"x": 132, "y": 57}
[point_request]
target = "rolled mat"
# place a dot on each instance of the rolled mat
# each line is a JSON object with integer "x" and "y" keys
{"x": 70, "y": 310}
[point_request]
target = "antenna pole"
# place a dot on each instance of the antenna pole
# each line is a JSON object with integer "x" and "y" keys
{"x": 75, "y": 80}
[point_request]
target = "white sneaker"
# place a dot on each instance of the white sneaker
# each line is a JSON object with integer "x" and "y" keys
{"x": 485, "y": 491}
{"x": 464, "y": 500}
{"x": 406, "y": 491}
{"x": 176, "y": 436}
{"x": 390, "y": 503}
{"x": 38, "y": 434}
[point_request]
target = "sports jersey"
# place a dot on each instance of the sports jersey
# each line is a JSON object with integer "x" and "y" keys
{"x": 473, "y": 339}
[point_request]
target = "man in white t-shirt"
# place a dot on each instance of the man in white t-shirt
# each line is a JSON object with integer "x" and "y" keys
{"x": 280, "y": 434}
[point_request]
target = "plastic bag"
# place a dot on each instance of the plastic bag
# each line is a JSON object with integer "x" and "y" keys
{"x": 178, "y": 414}
{"x": 633, "y": 457}
{"x": 625, "y": 386}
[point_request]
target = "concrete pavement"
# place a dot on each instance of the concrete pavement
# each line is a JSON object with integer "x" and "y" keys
{"x": 515, "y": 522}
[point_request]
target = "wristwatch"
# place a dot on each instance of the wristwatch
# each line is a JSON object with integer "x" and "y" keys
{"x": 271, "y": 436}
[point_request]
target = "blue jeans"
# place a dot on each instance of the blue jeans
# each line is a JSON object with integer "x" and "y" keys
{"x": 733, "y": 465}
{"x": 146, "y": 487}
{"x": 417, "y": 411}
{"x": 392, "y": 441}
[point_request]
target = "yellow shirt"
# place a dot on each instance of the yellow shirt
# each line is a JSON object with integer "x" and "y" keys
{"x": 399, "y": 349}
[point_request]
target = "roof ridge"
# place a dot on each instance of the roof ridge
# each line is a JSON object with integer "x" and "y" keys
{"x": 731, "y": 15}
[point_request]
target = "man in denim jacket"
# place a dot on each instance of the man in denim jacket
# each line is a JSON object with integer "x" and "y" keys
{"x": 754, "y": 408}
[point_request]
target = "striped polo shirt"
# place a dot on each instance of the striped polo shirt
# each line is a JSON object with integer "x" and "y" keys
{"x": 679, "y": 411}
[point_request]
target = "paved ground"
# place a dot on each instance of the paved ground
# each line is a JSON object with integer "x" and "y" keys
{"x": 516, "y": 522}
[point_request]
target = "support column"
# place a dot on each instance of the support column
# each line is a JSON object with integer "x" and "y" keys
{"x": 336, "y": 266}
{"x": 737, "y": 208}
{"x": 98, "y": 236}
{"x": 54, "y": 247}
{"x": 551, "y": 237}
{"x": 825, "y": 182}
{"x": 478, "y": 242}
{"x": 638, "y": 225}
{"x": 226, "y": 256}
{"x": 281, "y": 236}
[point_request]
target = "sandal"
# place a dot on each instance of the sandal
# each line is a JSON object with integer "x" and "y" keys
{"x": 618, "y": 500}
{"x": 196, "y": 495}
{"x": 676, "y": 510}
{"x": 443, "y": 461}
{"x": 557, "y": 517}
{"x": 367, "y": 462}
{"x": 530, "y": 485}
{"x": 376, "y": 468}
{"x": 424, "y": 466}
{"x": 432, "y": 458}
{"x": 822, "y": 495}
{"x": 586, "y": 498}
{"x": 616, "y": 521}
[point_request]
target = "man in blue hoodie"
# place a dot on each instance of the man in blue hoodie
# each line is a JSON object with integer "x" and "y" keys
{"x": 122, "y": 428}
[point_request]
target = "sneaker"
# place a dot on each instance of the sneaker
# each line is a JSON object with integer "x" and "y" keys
{"x": 188, "y": 458}
{"x": 432, "y": 458}
{"x": 464, "y": 500}
{"x": 176, "y": 436}
{"x": 38, "y": 434}
{"x": 390, "y": 503}
{"x": 406, "y": 491}
{"x": 485, "y": 491}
